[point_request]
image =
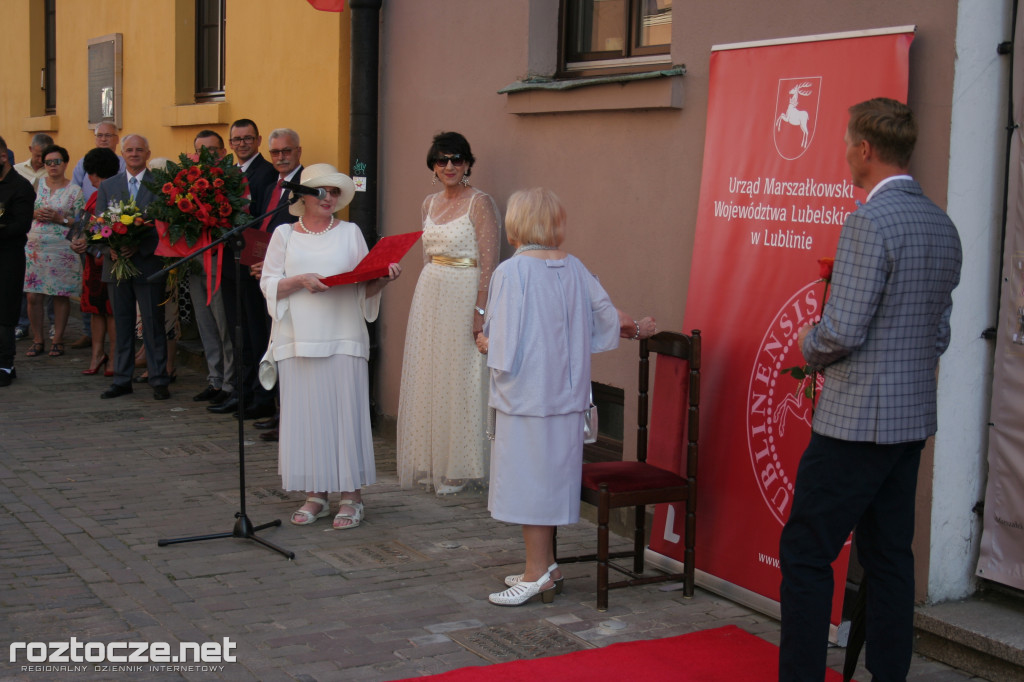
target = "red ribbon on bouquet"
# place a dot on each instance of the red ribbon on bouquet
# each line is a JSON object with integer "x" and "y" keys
{"x": 181, "y": 249}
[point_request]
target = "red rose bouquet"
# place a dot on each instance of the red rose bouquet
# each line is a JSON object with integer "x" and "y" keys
{"x": 120, "y": 225}
{"x": 199, "y": 199}
{"x": 807, "y": 375}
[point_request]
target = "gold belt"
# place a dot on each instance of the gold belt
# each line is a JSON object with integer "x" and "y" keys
{"x": 453, "y": 262}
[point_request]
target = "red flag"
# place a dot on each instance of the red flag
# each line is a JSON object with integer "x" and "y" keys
{"x": 328, "y": 5}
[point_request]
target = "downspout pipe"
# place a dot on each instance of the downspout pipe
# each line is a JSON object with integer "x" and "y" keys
{"x": 365, "y": 65}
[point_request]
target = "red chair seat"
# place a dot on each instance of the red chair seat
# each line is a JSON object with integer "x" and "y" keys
{"x": 624, "y": 477}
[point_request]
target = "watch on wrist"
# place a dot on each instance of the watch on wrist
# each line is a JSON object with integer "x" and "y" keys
{"x": 479, "y": 310}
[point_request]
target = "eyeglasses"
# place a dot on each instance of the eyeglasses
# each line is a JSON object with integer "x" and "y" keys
{"x": 105, "y": 136}
{"x": 333, "y": 191}
{"x": 248, "y": 139}
{"x": 282, "y": 152}
{"x": 456, "y": 159}
{"x": 53, "y": 162}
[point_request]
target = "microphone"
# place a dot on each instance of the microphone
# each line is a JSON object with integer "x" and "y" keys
{"x": 296, "y": 188}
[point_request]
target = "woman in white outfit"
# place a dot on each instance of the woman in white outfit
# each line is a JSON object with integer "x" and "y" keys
{"x": 322, "y": 348}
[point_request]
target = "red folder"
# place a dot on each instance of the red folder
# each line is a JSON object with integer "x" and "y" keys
{"x": 256, "y": 242}
{"x": 385, "y": 252}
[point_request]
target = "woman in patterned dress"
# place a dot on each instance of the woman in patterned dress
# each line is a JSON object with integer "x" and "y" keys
{"x": 442, "y": 408}
{"x": 52, "y": 268}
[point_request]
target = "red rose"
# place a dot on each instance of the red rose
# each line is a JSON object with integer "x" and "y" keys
{"x": 193, "y": 173}
{"x": 224, "y": 210}
{"x": 201, "y": 185}
{"x": 120, "y": 228}
{"x": 202, "y": 214}
{"x": 825, "y": 268}
{"x": 185, "y": 206}
{"x": 181, "y": 175}
{"x": 167, "y": 188}
{"x": 217, "y": 182}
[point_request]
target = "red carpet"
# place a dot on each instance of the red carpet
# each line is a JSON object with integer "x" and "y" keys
{"x": 726, "y": 654}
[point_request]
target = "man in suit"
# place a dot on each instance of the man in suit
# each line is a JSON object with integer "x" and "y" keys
{"x": 285, "y": 155}
{"x": 881, "y": 333}
{"x": 124, "y": 295}
{"x": 17, "y": 199}
{"x": 245, "y": 141}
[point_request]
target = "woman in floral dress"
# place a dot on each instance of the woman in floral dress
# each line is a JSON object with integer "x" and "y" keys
{"x": 52, "y": 268}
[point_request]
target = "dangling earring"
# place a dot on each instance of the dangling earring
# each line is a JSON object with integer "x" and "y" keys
{"x": 464, "y": 181}
{"x": 434, "y": 181}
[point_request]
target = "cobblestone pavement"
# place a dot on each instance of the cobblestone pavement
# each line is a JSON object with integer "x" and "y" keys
{"x": 88, "y": 486}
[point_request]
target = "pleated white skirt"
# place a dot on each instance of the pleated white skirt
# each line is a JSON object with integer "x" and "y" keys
{"x": 325, "y": 442}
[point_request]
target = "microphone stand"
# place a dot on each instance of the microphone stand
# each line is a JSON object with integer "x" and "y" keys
{"x": 243, "y": 527}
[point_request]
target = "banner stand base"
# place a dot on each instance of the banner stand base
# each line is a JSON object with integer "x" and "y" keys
{"x": 732, "y": 592}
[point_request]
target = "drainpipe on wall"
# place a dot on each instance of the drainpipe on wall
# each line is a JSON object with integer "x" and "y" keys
{"x": 365, "y": 61}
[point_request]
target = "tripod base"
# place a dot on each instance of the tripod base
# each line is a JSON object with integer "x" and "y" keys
{"x": 243, "y": 529}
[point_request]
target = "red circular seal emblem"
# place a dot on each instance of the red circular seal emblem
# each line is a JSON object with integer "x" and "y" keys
{"x": 778, "y": 412}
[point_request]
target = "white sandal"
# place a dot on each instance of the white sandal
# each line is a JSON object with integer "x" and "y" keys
{"x": 522, "y": 592}
{"x": 511, "y": 580}
{"x": 355, "y": 517}
{"x": 305, "y": 518}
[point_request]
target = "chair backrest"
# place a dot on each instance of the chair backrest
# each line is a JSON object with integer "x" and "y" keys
{"x": 686, "y": 348}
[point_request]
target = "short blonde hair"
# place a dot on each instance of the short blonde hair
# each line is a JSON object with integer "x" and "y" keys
{"x": 535, "y": 216}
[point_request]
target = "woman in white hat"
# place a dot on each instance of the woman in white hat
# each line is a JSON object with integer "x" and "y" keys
{"x": 321, "y": 346}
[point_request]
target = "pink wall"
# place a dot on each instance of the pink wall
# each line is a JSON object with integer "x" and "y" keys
{"x": 630, "y": 178}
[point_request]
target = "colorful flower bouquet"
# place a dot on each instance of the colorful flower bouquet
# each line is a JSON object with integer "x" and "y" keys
{"x": 121, "y": 225}
{"x": 807, "y": 375}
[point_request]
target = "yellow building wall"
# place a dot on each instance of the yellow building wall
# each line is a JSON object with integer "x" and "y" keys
{"x": 287, "y": 66}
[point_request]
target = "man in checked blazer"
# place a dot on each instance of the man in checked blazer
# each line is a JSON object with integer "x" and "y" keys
{"x": 125, "y": 295}
{"x": 881, "y": 333}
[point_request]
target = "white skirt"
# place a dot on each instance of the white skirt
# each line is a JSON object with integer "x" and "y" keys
{"x": 325, "y": 442}
{"x": 536, "y": 469}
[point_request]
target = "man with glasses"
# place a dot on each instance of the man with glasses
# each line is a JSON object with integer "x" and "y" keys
{"x": 245, "y": 141}
{"x": 106, "y": 137}
{"x": 285, "y": 155}
{"x": 32, "y": 169}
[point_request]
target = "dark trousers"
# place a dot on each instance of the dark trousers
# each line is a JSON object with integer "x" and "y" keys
{"x": 842, "y": 485}
{"x": 148, "y": 296}
{"x": 12, "y": 282}
{"x": 255, "y": 330}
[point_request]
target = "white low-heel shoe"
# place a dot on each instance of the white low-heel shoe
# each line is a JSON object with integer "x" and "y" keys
{"x": 511, "y": 580}
{"x": 522, "y": 592}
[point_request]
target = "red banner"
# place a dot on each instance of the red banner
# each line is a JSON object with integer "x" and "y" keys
{"x": 775, "y": 190}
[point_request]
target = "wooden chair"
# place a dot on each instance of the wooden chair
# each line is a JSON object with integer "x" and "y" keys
{"x": 610, "y": 485}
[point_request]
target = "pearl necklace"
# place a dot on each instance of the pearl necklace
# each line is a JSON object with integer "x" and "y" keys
{"x": 303, "y": 227}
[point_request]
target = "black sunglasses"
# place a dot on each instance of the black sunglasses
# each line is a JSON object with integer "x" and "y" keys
{"x": 456, "y": 159}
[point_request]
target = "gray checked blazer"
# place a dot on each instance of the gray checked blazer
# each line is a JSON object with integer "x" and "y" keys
{"x": 886, "y": 321}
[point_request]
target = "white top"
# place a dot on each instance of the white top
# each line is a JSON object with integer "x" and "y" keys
{"x": 318, "y": 325}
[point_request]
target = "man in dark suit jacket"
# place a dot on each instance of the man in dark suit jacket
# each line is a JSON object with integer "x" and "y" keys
{"x": 285, "y": 154}
{"x": 245, "y": 141}
{"x": 131, "y": 183}
{"x": 881, "y": 333}
{"x": 17, "y": 197}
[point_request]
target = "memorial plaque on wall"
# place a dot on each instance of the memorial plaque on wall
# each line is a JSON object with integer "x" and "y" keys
{"x": 105, "y": 79}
